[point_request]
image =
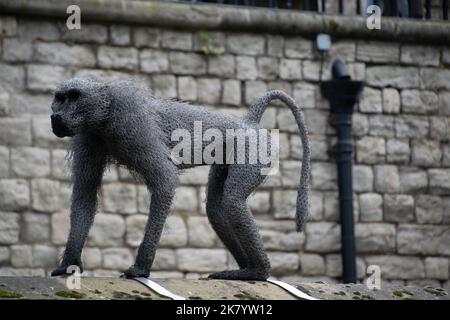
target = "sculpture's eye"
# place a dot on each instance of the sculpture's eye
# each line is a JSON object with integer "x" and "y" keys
{"x": 73, "y": 94}
{"x": 60, "y": 97}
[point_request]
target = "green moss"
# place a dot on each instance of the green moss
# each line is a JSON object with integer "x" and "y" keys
{"x": 5, "y": 294}
{"x": 70, "y": 294}
{"x": 403, "y": 293}
{"x": 397, "y": 293}
{"x": 333, "y": 26}
{"x": 339, "y": 293}
{"x": 208, "y": 47}
{"x": 137, "y": 296}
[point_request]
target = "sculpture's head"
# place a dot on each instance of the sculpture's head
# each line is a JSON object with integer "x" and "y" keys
{"x": 78, "y": 104}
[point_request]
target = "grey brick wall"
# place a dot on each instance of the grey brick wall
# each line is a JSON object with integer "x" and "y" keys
{"x": 401, "y": 133}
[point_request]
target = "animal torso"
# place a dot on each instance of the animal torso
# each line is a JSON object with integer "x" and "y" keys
{"x": 156, "y": 120}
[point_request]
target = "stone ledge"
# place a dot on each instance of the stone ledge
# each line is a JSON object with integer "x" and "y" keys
{"x": 113, "y": 288}
{"x": 205, "y": 16}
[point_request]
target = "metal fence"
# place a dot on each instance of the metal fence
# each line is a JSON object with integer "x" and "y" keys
{"x": 419, "y": 9}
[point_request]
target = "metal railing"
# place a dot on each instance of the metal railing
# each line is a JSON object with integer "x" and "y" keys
{"x": 419, "y": 9}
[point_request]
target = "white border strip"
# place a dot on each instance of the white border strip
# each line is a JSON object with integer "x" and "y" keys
{"x": 158, "y": 288}
{"x": 291, "y": 289}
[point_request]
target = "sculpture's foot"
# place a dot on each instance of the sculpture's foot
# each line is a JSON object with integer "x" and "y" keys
{"x": 68, "y": 266}
{"x": 242, "y": 274}
{"x": 135, "y": 272}
{"x": 62, "y": 271}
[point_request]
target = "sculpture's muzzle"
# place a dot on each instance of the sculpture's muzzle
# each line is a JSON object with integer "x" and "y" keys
{"x": 59, "y": 128}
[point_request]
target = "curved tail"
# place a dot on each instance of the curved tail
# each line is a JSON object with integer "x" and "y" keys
{"x": 254, "y": 115}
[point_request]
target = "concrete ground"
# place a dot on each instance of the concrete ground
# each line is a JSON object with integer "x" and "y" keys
{"x": 116, "y": 288}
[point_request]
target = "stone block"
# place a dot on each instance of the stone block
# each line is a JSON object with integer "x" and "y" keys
{"x": 398, "y": 208}
{"x": 49, "y": 195}
{"x": 117, "y": 258}
{"x": 409, "y": 126}
{"x": 146, "y": 37}
{"x": 45, "y": 78}
{"x": 248, "y": 44}
{"x": 375, "y": 237}
{"x": 387, "y": 179}
{"x": 178, "y": 40}
{"x": 108, "y": 230}
{"x": 290, "y": 69}
{"x": 312, "y": 264}
{"x": 120, "y": 35}
{"x": 423, "y": 240}
{"x": 246, "y": 68}
{"x": 119, "y": 198}
{"x": 371, "y": 207}
{"x": 426, "y": 153}
{"x": 187, "y": 88}
{"x": 200, "y": 232}
{"x": 35, "y": 227}
{"x": 429, "y": 209}
{"x": 28, "y": 162}
{"x": 187, "y": 63}
{"x": 201, "y": 260}
{"x": 398, "y": 150}
{"x": 397, "y": 267}
{"x": 362, "y": 178}
{"x": 391, "y": 101}
{"x": 14, "y": 194}
{"x": 64, "y": 54}
{"x": 231, "y": 92}
{"x": 208, "y": 90}
{"x": 118, "y": 58}
{"x": 420, "y": 55}
{"x": 377, "y": 52}
{"x": 154, "y": 61}
{"x": 370, "y": 150}
{"x": 397, "y": 77}
{"x": 9, "y": 228}
{"x": 419, "y": 102}
{"x": 322, "y": 237}
{"x": 221, "y": 66}
{"x": 164, "y": 86}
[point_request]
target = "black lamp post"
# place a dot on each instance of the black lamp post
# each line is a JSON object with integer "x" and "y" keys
{"x": 342, "y": 92}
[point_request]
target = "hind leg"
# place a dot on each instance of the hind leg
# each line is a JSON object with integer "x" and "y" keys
{"x": 216, "y": 182}
{"x": 240, "y": 182}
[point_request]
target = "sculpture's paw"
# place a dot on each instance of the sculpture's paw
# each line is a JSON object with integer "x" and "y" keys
{"x": 65, "y": 270}
{"x": 60, "y": 271}
{"x": 242, "y": 274}
{"x": 135, "y": 272}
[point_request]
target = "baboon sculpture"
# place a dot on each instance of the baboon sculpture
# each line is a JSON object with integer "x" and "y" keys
{"x": 120, "y": 122}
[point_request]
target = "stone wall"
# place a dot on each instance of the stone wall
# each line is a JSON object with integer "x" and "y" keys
{"x": 401, "y": 158}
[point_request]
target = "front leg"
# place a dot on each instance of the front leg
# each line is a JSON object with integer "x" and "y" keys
{"x": 163, "y": 189}
{"x": 89, "y": 161}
